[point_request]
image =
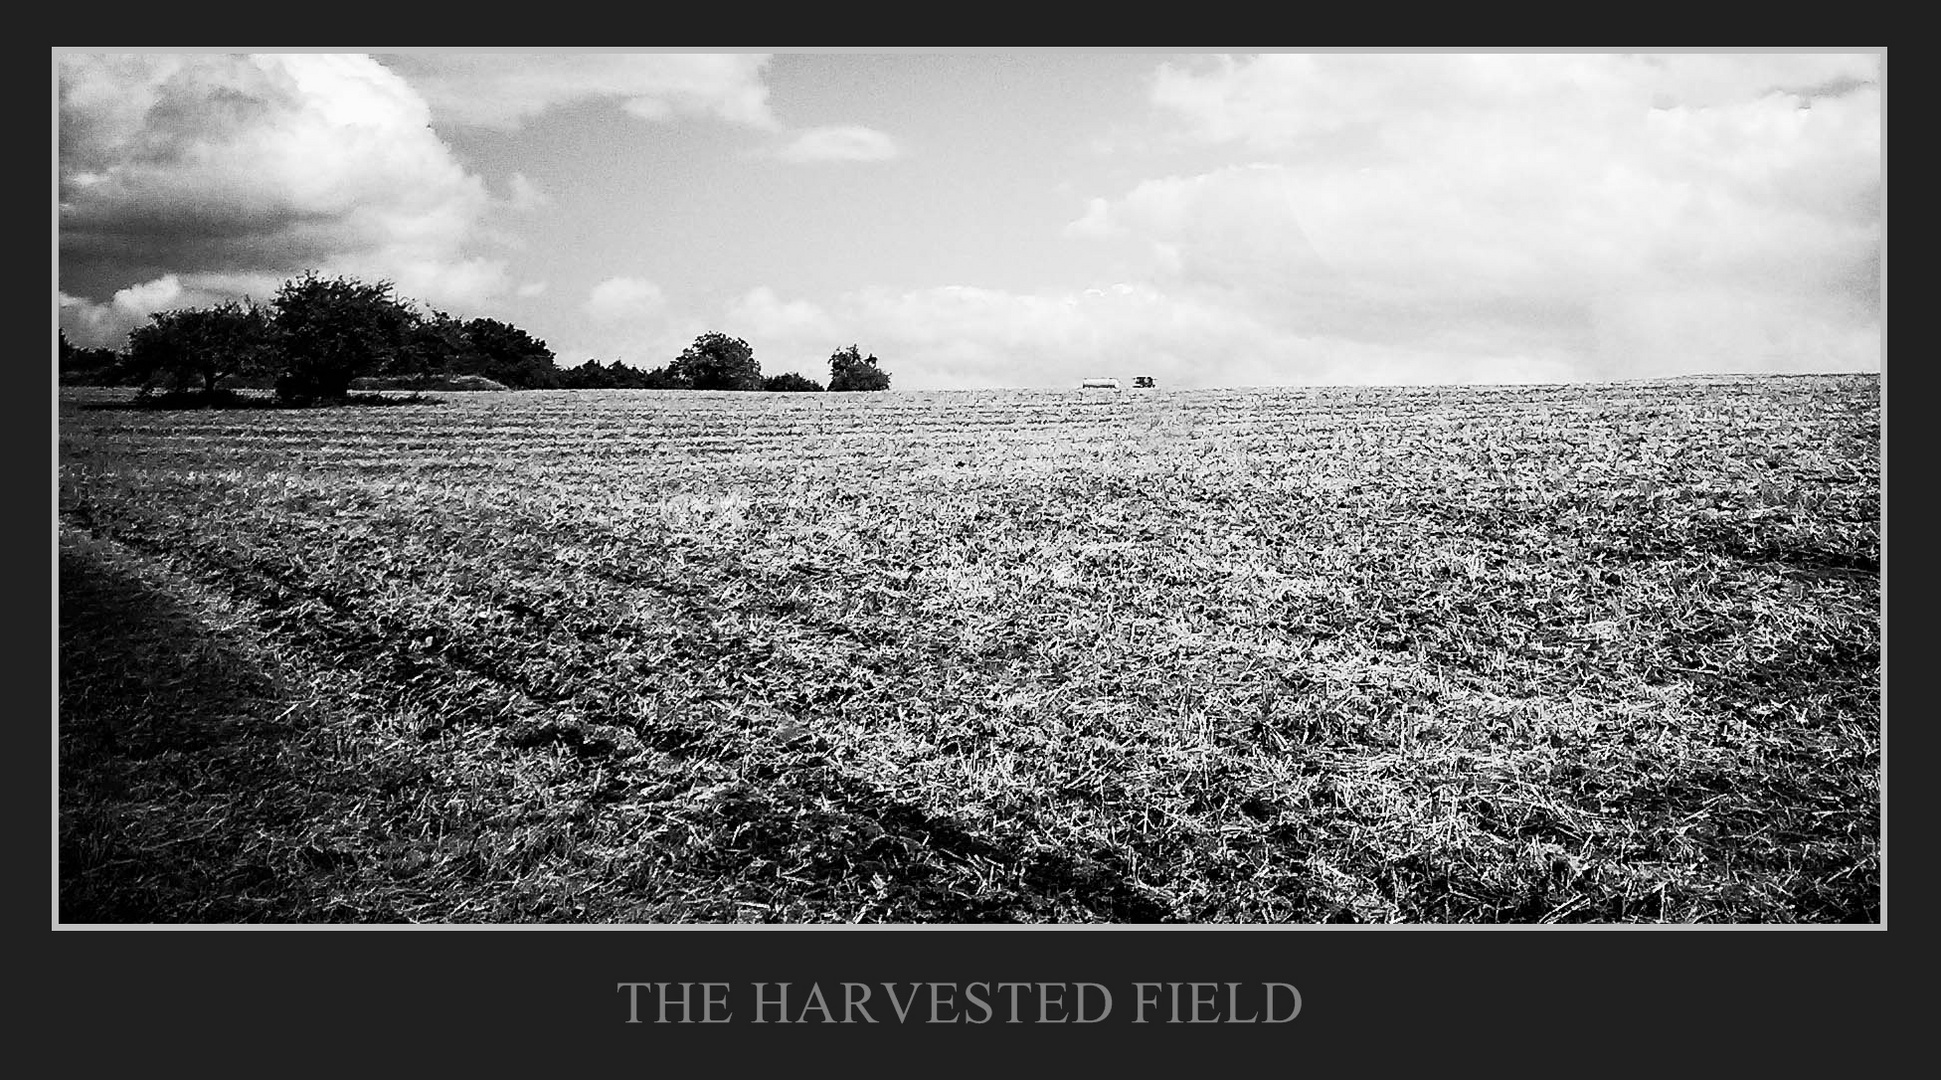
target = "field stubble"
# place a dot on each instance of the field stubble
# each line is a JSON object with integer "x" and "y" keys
{"x": 1600, "y": 653}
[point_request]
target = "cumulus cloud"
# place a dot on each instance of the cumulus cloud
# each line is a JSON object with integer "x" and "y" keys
{"x": 1238, "y": 227}
{"x": 970, "y": 336}
{"x": 494, "y": 90}
{"x": 840, "y": 143}
{"x": 206, "y": 165}
{"x": 1277, "y": 101}
{"x": 764, "y": 314}
{"x": 620, "y": 298}
{"x": 1617, "y": 215}
{"x": 93, "y": 324}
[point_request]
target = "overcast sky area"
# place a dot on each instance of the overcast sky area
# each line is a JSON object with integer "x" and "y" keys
{"x": 1015, "y": 220}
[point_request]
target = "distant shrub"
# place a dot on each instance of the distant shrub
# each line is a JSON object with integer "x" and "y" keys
{"x": 849, "y": 369}
{"x": 90, "y": 367}
{"x": 790, "y": 382}
{"x": 197, "y": 348}
{"x": 591, "y": 375}
{"x": 594, "y": 375}
{"x": 717, "y": 362}
{"x": 714, "y": 362}
{"x": 661, "y": 378}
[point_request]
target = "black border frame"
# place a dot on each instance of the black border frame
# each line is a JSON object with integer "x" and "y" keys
{"x": 1511, "y": 999}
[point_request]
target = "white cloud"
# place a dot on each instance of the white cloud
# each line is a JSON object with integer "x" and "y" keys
{"x": 161, "y": 294}
{"x": 840, "y": 143}
{"x": 762, "y": 314}
{"x": 531, "y": 288}
{"x": 504, "y": 90}
{"x": 466, "y": 284}
{"x": 626, "y": 298}
{"x": 1374, "y": 103}
{"x": 260, "y": 165}
{"x": 1610, "y": 214}
{"x": 105, "y": 325}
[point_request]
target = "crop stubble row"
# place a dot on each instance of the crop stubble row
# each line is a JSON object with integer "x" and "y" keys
{"x": 1235, "y": 647}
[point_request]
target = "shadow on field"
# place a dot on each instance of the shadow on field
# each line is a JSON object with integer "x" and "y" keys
{"x": 230, "y": 399}
{"x": 188, "y": 794}
{"x": 174, "y": 754}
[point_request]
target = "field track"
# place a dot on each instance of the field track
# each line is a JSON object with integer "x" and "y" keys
{"x": 1517, "y": 654}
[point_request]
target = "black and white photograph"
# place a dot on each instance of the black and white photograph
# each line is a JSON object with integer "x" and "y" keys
{"x": 1041, "y": 487}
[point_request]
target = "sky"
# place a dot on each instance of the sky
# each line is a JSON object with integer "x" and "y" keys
{"x": 1014, "y": 219}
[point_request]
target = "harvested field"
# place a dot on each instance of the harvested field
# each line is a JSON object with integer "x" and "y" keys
{"x": 1470, "y": 655}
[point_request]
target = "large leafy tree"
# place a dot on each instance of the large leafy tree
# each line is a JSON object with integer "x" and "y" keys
{"x": 189, "y": 346}
{"x": 435, "y": 344}
{"x": 849, "y": 369}
{"x": 333, "y": 330}
{"x": 508, "y": 354}
{"x": 716, "y": 362}
{"x": 439, "y": 344}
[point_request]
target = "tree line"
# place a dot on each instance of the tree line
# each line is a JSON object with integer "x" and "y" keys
{"x": 318, "y": 335}
{"x": 718, "y": 362}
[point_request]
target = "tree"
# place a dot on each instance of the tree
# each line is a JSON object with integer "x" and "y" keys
{"x": 594, "y": 375}
{"x": 89, "y": 367}
{"x": 591, "y": 375}
{"x": 440, "y": 346}
{"x": 509, "y": 355}
{"x": 717, "y": 362}
{"x": 661, "y": 378}
{"x": 187, "y": 346}
{"x": 334, "y": 330}
{"x": 433, "y": 345}
{"x": 849, "y": 369}
{"x": 791, "y": 382}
